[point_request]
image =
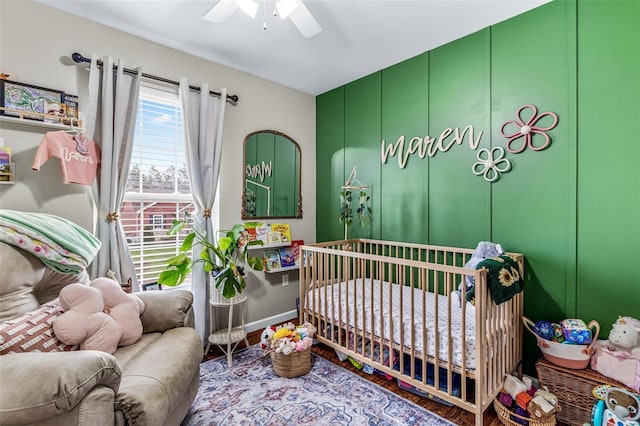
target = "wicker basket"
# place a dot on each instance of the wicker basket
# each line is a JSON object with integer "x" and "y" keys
{"x": 293, "y": 365}
{"x": 505, "y": 415}
{"x": 574, "y": 390}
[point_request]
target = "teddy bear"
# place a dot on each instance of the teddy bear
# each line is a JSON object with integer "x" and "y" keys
{"x": 99, "y": 316}
{"x": 624, "y": 336}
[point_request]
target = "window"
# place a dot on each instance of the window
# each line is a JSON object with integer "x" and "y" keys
{"x": 158, "y": 221}
{"x": 157, "y": 189}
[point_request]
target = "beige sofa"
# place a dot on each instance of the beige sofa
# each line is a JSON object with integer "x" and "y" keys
{"x": 152, "y": 382}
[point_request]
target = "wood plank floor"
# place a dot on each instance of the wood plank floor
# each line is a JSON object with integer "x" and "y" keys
{"x": 454, "y": 414}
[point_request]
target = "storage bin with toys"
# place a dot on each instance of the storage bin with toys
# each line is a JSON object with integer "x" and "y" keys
{"x": 289, "y": 348}
{"x": 523, "y": 402}
{"x": 568, "y": 344}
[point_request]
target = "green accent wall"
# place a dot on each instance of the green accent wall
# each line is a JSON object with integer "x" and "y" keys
{"x": 608, "y": 242}
{"x": 404, "y": 103}
{"x": 573, "y": 209}
{"x": 330, "y": 174}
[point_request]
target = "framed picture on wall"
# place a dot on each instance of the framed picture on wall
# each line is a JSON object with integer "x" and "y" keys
{"x": 21, "y": 99}
{"x": 151, "y": 286}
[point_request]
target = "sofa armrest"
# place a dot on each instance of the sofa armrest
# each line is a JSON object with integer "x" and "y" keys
{"x": 35, "y": 386}
{"x": 164, "y": 310}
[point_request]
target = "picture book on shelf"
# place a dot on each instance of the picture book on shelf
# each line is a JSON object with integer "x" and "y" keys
{"x": 284, "y": 231}
{"x": 274, "y": 238}
{"x": 272, "y": 260}
{"x": 295, "y": 247}
{"x": 71, "y": 109}
{"x": 5, "y": 163}
{"x": 287, "y": 257}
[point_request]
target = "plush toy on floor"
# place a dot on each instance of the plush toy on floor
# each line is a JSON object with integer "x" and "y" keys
{"x": 265, "y": 337}
{"x": 616, "y": 407}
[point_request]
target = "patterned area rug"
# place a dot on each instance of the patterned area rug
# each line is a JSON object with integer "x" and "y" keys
{"x": 250, "y": 393}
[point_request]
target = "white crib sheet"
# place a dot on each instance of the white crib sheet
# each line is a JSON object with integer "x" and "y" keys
{"x": 348, "y": 289}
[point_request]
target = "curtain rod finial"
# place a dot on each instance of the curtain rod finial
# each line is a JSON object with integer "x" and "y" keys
{"x": 77, "y": 57}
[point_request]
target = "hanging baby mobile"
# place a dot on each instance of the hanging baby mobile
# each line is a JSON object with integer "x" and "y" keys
{"x": 493, "y": 162}
{"x": 362, "y": 208}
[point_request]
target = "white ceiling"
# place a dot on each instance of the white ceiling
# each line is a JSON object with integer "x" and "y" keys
{"x": 358, "y": 36}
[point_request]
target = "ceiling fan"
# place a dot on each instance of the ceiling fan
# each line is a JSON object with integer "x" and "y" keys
{"x": 292, "y": 9}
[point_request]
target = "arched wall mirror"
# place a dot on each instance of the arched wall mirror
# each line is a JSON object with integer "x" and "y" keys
{"x": 271, "y": 184}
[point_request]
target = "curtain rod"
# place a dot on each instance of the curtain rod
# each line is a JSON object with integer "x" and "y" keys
{"x": 77, "y": 57}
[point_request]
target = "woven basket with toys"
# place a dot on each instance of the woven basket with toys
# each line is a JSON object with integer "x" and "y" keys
{"x": 289, "y": 348}
{"x": 522, "y": 402}
{"x": 568, "y": 344}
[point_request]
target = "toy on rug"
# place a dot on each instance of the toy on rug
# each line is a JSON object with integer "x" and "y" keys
{"x": 616, "y": 407}
{"x": 288, "y": 338}
{"x": 99, "y": 316}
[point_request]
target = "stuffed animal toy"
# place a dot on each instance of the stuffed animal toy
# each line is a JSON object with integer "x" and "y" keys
{"x": 99, "y": 316}
{"x": 484, "y": 250}
{"x": 265, "y": 337}
{"x": 616, "y": 406}
{"x": 624, "y": 336}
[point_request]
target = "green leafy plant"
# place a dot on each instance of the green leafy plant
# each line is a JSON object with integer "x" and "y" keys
{"x": 223, "y": 259}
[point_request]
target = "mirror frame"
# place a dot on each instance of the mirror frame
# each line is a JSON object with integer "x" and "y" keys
{"x": 298, "y": 214}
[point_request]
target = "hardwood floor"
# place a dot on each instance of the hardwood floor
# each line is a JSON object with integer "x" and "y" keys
{"x": 454, "y": 414}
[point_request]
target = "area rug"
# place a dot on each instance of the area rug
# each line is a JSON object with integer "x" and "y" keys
{"x": 250, "y": 393}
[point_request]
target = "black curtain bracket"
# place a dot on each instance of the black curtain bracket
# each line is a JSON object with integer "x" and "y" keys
{"x": 78, "y": 58}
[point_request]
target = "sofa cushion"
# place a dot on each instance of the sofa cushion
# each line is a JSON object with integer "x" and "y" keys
{"x": 33, "y": 332}
{"x": 157, "y": 370}
{"x": 25, "y": 283}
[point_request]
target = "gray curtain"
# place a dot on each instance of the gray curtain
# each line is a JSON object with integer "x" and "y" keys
{"x": 202, "y": 117}
{"x": 111, "y": 120}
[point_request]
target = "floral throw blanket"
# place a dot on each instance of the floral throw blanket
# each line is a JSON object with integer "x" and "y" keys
{"x": 503, "y": 278}
{"x": 59, "y": 243}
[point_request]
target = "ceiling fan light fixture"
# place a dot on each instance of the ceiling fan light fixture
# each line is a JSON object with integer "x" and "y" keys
{"x": 286, "y": 7}
{"x": 250, "y": 7}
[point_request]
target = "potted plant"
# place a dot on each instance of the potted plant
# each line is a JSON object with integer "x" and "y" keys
{"x": 223, "y": 259}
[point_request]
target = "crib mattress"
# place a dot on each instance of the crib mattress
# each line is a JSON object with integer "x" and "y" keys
{"x": 340, "y": 299}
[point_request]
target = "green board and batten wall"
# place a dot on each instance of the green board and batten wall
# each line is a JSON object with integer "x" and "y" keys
{"x": 572, "y": 209}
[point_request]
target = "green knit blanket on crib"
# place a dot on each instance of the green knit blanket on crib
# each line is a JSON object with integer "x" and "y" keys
{"x": 503, "y": 279}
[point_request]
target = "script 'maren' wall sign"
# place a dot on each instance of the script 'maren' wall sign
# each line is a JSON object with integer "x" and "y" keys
{"x": 428, "y": 145}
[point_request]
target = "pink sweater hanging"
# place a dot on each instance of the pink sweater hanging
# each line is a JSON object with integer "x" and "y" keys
{"x": 79, "y": 156}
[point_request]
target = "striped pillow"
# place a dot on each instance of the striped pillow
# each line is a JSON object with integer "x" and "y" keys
{"x": 33, "y": 332}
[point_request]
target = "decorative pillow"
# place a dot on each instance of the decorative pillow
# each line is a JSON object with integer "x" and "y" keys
{"x": 100, "y": 316}
{"x": 33, "y": 332}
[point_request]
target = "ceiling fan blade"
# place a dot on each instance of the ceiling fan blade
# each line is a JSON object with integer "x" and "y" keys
{"x": 304, "y": 21}
{"x": 221, "y": 11}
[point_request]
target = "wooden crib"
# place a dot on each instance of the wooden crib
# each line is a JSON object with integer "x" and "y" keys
{"x": 363, "y": 296}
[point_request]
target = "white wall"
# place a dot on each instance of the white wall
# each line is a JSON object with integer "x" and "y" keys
{"x": 36, "y": 43}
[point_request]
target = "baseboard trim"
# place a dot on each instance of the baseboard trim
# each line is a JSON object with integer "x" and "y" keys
{"x": 274, "y": 320}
